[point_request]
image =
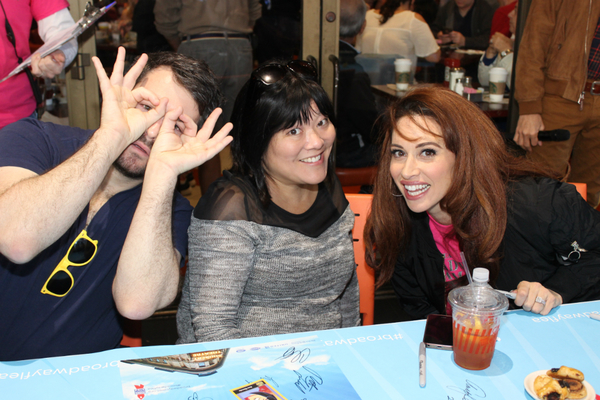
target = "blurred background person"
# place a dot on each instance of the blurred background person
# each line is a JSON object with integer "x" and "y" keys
{"x": 395, "y": 29}
{"x": 217, "y": 32}
{"x": 356, "y": 108}
{"x": 501, "y": 19}
{"x": 499, "y": 53}
{"x": 557, "y": 86}
{"x": 278, "y": 32}
{"x": 465, "y": 23}
{"x": 18, "y": 99}
{"x": 270, "y": 249}
{"x": 427, "y": 9}
{"x": 139, "y": 18}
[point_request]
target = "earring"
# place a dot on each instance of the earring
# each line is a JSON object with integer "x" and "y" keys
{"x": 397, "y": 195}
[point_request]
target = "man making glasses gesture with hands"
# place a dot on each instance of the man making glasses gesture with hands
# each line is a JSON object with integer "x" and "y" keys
{"x": 89, "y": 223}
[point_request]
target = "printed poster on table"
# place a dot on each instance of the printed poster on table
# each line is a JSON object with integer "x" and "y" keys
{"x": 297, "y": 369}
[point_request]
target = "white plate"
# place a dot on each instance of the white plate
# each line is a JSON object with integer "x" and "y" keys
{"x": 470, "y": 51}
{"x": 591, "y": 394}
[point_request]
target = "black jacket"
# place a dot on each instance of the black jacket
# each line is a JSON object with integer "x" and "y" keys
{"x": 356, "y": 113}
{"x": 544, "y": 218}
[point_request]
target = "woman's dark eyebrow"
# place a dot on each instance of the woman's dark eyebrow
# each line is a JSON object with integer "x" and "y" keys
{"x": 428, "y": 144}
{"x": 425, "y": 144}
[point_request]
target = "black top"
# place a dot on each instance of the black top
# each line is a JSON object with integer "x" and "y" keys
{"x": 233, "y": 197}
{"x": 544, "y": 218}
{"x": 463, "y": 24}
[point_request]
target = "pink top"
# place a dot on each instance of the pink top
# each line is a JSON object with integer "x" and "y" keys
{"x": 447, "y": 244}
{"x": 16, "y": 95}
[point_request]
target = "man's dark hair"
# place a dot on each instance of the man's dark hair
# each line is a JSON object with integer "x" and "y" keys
{"x": 352, "y": 17}
{"x": 193, "y": 75}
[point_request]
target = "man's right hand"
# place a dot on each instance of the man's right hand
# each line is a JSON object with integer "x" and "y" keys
{"x": 527, "y": 130}
{"x": 120, "y": 115}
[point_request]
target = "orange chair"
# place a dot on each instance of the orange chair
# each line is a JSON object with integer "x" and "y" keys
{"x": 353, "y": 178}
{"x": 581, "y": 188}
{"x": 361, "y": 205}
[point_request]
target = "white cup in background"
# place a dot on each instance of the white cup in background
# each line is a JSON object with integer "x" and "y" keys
{"x": 497, "y": 84}
{"x": 403, "y": 66}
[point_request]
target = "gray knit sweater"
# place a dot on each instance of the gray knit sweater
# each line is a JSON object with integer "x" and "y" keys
{"x": 247, "y": 278}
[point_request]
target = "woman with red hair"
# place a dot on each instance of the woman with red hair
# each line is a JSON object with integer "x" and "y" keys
{"x": 446, "y": 185}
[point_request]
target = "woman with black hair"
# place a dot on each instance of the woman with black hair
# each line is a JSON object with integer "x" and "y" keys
{"x": 270, "y": 249}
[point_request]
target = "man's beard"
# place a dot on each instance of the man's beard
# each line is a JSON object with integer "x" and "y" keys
{"x": 126, "y": 165}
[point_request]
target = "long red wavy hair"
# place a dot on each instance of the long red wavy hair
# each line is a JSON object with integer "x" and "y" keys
{"x": 476, "y": 199}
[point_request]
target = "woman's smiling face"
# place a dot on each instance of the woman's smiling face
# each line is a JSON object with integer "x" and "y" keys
{"x": 298, "y": 156}
{"x": 421, "y": 166}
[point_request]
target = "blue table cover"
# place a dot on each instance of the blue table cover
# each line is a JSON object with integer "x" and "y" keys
{"x": 371, "y": 362}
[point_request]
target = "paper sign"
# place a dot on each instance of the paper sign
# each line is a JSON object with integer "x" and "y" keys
{"x": 293, "y": 369}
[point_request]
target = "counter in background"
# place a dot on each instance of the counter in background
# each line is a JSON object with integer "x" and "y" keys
{"x": 492, "y": 110}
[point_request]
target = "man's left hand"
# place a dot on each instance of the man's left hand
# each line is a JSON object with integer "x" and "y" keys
{"x": 183, "y": 150}
{"x": 49, "y": 66}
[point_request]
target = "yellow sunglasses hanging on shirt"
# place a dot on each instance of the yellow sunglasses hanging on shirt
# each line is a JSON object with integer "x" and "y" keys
{"x": 82, "y": 251}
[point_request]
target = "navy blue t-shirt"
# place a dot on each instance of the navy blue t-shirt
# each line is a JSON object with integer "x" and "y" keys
{"x": 36, "y": 325}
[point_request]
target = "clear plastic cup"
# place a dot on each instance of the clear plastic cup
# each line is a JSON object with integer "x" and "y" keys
{"x": 476, "y": 313}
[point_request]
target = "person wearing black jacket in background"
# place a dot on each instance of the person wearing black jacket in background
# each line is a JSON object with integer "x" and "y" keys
{"x": 466, "y": 23}
{"x": 356, "y": 110}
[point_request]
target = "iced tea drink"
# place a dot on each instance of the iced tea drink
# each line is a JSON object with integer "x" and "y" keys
{"x": 474, "y": 342}
{"x": 476, "y": 313}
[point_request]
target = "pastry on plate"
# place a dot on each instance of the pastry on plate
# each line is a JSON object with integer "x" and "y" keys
{"x": 547, "y": 388}
{"x": 577, "y": 389}
{"x": 566, "y": 372}
{"x": 540, "y": 381}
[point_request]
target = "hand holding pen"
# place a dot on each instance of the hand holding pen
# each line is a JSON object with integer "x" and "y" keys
{"x": 534, "y": 297}
{"x": 510, "y": 295}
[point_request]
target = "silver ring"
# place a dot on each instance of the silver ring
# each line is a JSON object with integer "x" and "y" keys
{"x": 540, "y": 300}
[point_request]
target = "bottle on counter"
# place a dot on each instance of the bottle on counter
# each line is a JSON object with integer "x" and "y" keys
{"x": 458, "y": 87}
{"x": 455, "y": 74}
{"x": 467, "y": 82}
{"x": 449, "y": 63}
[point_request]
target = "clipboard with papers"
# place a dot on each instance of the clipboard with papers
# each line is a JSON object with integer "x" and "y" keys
{"x": 90, "y": 15}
